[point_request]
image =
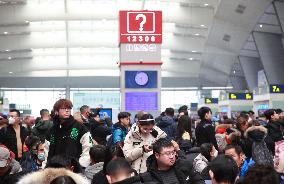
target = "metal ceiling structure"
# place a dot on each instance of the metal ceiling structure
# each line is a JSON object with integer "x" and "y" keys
{"x": 58, "y": 43}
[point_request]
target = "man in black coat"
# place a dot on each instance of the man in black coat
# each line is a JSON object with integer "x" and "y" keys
{"x": 164, "y": 168}
{"x": 205, "y": 131}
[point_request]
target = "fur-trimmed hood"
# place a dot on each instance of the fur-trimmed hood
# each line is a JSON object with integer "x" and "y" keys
{"x": 256, "y": 133}
{"x": 47, "y": 175}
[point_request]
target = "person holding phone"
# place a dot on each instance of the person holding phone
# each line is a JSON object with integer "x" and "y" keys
{"x": 138, "y": 142}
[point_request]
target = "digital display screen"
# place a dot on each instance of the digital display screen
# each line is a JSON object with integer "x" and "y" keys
{"x": 276, "y": 88}
{"x": 141, "y": 79}
{"x": 102, "y": 111}
{"x": 240, "y": 96}
{"x": 136, "y": 101}
{"x": 211, "y": 100}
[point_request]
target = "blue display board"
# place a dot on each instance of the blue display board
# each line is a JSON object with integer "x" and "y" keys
{"x": 211, "y": 100}
{"x": 276, "y": 88}
{"x": 240, "y": 96}
{"x": 141, "y": 79}
{"x": 136, "y": 101}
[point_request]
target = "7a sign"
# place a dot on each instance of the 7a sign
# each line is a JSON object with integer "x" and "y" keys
{"x": 140, "y": 26}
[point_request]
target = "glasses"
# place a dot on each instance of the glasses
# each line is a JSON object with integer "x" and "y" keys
{"x": 170, "y": 153}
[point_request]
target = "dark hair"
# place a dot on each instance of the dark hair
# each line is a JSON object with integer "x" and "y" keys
{"x": 251, "y": 112}
{"x": 225, "y": 169}
{"x": 122, "y": 115}
{"x": 170, "y": 111}
{"x": 237, "y": 148}
{"x": 32, "y": 141}
{"x": 117, "y": 165}
{"x": 17, "y": 111}
{"x": 184, "y": 125}
{"x": 182, "y": 108}
{"x": 205, "y": 150}
{"x": 268, "y": 113}
{"x": 278, "y": 111}
{"x": 84, "y": 108}
{"x": 64, "y": 161}
{"x": 63, "y": 180}
{"x": 43, "y": 112}
{"x": 147, "y": 119}
{"x": 62, "y": 103}
{"x": 203, "y": 111}
{"x": 261, "y": 174}
{"x": 111, "y": 152}
{"x": 97, "y": 153}
{"x": 160, "y": 144}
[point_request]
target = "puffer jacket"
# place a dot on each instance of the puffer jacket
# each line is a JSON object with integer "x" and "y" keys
{"x": 119, "y": 133}
{"x": 42, "y": 128}
{"x": 91, "y": 170}
{"x": 133, "y": 147}
{"x": 47, "y": 175}
{"x": 168, "y": 125}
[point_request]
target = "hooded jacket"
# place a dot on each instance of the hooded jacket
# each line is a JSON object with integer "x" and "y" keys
{"x": 133, "y": 147}
{"x": 47, "y": 175}
{"x": 42, "y": 128}
{"x": 168, "y": 125}
{"x": 183, "y": 170}
{"x": 257, "y": 145}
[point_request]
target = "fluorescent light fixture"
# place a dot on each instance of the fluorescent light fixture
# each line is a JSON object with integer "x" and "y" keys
{"x": 10, "y": 72}
{"x": 234, "y": 71}
{"x": 196, "y": 34}
{"x": 7, "y": 50}
{"x": 191, "y": 59}
{"x": 228, "y": 87}
{"x": 9, "y": 57}
{"x": 260, "y": 25}
{"x": 202, "y": 25}
{"x": 194, "y": 51}
{"x": 206, "y": 4}
{"x": 5, "y": 32}
{"x": 27, "y": 21}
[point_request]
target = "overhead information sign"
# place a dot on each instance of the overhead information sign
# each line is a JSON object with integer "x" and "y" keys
{"x": 240, "y": 96}
{"x": 211, "y": 100}
{"x": 277, "y": 88}
{"x": 140, "y": 26}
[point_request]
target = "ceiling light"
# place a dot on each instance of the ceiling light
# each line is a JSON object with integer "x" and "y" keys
{"x": 260, "y": 25}
{"x": 194, "y": 51}
{"x": 191, "y": 59}
{"x": 10, "y": 72}
{"x": 7, "y": 50}
{"x": 27, "y": 21}
{"x": 206, "y": 4}
{"x": 196, "y": 34}
{"x": 234, "y": 71}
{"x": 5, "y": 32}
{"x": 9, "y": 58}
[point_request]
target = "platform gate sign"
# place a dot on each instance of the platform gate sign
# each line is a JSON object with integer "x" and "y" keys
{"x": 140, "y": 26}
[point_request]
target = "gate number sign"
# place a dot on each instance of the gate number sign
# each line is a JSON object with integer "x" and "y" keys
{"x": 140, "y": 26}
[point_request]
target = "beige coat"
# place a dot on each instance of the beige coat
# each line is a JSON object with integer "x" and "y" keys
{"x": 133, "y": 147}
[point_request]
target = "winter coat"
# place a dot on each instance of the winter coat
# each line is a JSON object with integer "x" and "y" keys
{"x": 133, "y": 147}
{"x": 255, "y": 136}
{"x": 205, "y": 133}
{"x": 168, "y": 125}
{"x": 8, "y": 138}
{"x": 91, "y": 170}
{"x": 182, "y": 168}
{"x": 30, "y": 164}
{"x": 274, "y": 130}
{"x": 200, "y": 163}
{"x": 100, "y": 178}
{"x": 47, "y": 175}
{"x": 133, "y": 180}
{"x": 119, "y": 133}
{"x": 42, "y": 128}
{"x": 13, "y": 175}
{"x": 70, "y": 138}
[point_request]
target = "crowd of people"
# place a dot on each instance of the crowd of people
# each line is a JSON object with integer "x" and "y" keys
{"x": 169, "y": 149}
